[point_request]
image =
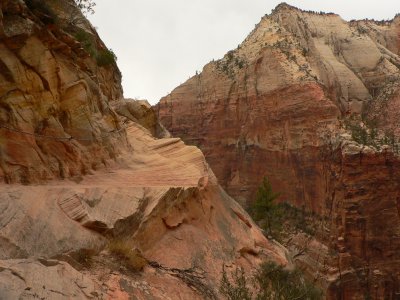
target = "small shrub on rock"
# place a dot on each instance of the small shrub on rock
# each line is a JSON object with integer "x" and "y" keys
{"x": 271, "y": 282}
{"x": 84, "y": 256}
{"x": 238, "y": 288}
{"x": 105, "y": 57}
{"x": 130, "y": 256}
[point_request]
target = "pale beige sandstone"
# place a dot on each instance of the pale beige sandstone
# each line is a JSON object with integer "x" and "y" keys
{"x": 112, "y": 179}
{"x": 275, "y": 107}
{"x": 45, "y": 279}
{"x": 385, "y": 33}
{"x": 141, "y": 112}
{"x": 163, "y": 197}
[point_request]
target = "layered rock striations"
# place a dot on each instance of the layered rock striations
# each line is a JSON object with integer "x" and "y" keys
{"x": 310, "y": 101}
{"x": 164, "y": 200}
{"x": 55, "y": 114}
{"x": 81, "y": 172}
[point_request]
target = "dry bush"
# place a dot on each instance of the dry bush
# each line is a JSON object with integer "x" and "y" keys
{"x": 130, "y": 256}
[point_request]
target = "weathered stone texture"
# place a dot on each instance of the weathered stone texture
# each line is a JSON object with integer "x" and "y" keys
{"x": 277, "y": 106}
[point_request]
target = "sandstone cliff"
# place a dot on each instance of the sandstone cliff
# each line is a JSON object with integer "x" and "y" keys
{"x": 164, "y": 200}
{"x": 81, "y": 171}
{"x": 310, "y": 101}
{"x": 55, "y": 116}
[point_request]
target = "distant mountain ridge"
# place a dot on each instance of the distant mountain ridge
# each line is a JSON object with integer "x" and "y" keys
{"x": 312, "y": 102}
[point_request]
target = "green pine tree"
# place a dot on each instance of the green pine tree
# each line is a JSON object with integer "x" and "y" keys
{"x": 264, "y": 207}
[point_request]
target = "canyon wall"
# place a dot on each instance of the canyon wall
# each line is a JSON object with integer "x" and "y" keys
{"x": 55, "y": 115}
{"x": 310, "y": 101}
{"x": 81, "y": 173}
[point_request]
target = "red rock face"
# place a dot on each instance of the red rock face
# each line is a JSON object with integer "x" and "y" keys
{"x": 366, "y": 225}
{"x": 277, "y": 106}
{"x": 158, "y": 198}
{"x": 55, "y": 114}
{"x": 282, "y": 129}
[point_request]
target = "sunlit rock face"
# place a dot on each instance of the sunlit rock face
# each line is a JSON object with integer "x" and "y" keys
{"x": 81, "y": 168}
{"x": 278, "y": 106}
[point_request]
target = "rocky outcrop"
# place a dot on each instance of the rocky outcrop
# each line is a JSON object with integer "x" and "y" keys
{"x": 81, "y": 171}
{"x": 140, "y": 112}
{"x": 163, "y": 199}
{"x": 385, "y": 33}
{"x": 310, "y": 101}
{"x": 58, "y": 280}
{"x": 366, "y": 223}
{"x": 288, "y": 52}
{"x": 55, "y": 115}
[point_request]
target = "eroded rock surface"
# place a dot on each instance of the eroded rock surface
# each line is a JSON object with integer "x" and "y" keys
{"x": 45, "y": 279}
{"x": 80, "y": 169}
{"x": 55, "y": 115}
{"x": 163, "y": 198}
{"x": 279, "y": 106}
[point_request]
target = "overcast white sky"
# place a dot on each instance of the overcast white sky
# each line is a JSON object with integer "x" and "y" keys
{"x": 161, "y": 43}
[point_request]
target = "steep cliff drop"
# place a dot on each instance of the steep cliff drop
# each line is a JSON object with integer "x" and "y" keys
{"x": 83, "y": 177}
{"x": 311, "y": 102}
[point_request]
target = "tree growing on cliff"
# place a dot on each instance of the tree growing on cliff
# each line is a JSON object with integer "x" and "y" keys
{"x": 48, "y": 14}
{"x": 271, "y": 282}
{"x": 86, "y": 6}
{"x": 264, "y": 207}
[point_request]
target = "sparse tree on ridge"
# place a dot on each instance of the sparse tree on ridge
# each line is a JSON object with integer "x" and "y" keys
{"x": 86, "y": 6}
